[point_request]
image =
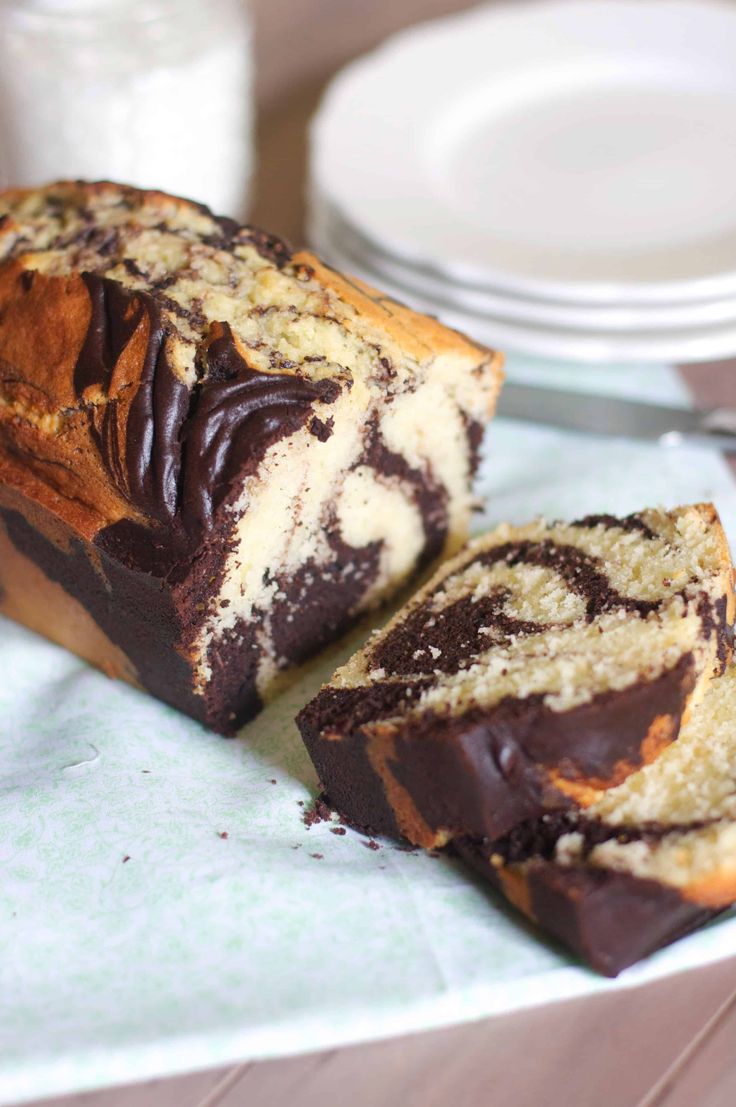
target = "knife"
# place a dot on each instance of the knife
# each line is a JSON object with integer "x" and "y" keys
{"x": 591, "y": 414}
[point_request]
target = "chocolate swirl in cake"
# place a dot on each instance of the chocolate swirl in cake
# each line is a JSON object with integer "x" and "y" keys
{"x": 183, "y": 447}
{"x": 116, "y": 315}
{"x": 450, "y": 638}
{"x": 539, "y": 838}
{"x": 581, "y": 572}
{"x": 145, "y": 464}
{"x": 627, "y": 523}
{"x": 236, "y": 413}
{"x": 219, "y": 420}
{"x": 427, "y": 493}
{"x": 538, "y": 669}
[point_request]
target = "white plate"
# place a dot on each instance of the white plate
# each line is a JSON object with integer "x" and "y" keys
{"x": 581, "y": 150}
{"x": 691, "y": 344}
{"x": 327, "y": 225}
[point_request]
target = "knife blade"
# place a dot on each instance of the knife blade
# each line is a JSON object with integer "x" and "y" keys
{"x": 606, "y": 415}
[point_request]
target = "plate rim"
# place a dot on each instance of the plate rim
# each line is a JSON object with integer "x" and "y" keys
{"x": 702, "y": 288}
{"x": 688, "y": 346}
{"x": 620, "y": 317}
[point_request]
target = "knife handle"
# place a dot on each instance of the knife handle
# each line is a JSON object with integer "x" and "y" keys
{"x": 721, "y": 420}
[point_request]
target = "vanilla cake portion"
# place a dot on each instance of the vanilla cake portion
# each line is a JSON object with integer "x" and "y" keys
{"x": 214, "y": 452}
{"x": 537, "y": 670}
{"x": 650, "y": 860}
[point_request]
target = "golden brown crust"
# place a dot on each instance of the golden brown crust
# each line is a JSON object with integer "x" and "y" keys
{"x": 43, "y": 326}
{"x": 516, "y": 889}
{"x": 717, "y": 891}
{"x": 176, "y": 388}
{"x": 45, "y": 321}
{"x": 381, "y": 752}
{"x": 29, "y": 597}
{"x": 420, "y": 335}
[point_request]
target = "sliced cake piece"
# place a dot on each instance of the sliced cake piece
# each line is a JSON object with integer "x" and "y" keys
{"x": 537, "y": 669}
{"x": 214, "y": 453}
{"x": 652, "y": 859}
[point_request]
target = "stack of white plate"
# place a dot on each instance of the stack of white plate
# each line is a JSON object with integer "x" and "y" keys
{"x": 557, "y": 178}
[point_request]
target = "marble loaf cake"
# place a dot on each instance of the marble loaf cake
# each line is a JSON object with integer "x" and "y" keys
{"x": 537, "y": 670}
{"x": 652, "y": 859}
{"x": 214, "y": 453}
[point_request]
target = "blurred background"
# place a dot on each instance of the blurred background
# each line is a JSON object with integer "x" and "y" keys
{"x": 553, "y": 177}
{"x": 79, "y": 93}
{"x": 300, "y": 44}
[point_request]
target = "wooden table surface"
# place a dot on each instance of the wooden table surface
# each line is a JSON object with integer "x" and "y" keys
{"x": 668, "y": 1044}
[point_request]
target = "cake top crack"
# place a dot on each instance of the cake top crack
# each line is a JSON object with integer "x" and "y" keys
{"x": 188, "y": 344}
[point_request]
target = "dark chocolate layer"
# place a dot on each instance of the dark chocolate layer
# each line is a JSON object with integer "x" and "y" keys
{"x": 132, "y": 609}
{"x": 142, "y": 450}
{"x": 344, "y": 710}
{"x": 632, "y": 524}
{"x": 445, "y": 641}
{"x": 429, "y": 496}
{"x": 313, "y": 607}
{"x": 116, "y": 314}
{"x": 714, "y": 620}
{"x": 235, "y": 416}
{"x": 181, "y": 452}
{"x": 609, "y": 919}
{"x": 429, "y": 640}
{"x": 538, "y": 838}
{"x": 482, "y": 773}
{"x": 153, "y": 620}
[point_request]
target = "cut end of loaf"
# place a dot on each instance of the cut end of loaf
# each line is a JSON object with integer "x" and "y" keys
{"x": 278, "y": 446}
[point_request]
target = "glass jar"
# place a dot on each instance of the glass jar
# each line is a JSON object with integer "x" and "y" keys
{"x": 155, "y": 93}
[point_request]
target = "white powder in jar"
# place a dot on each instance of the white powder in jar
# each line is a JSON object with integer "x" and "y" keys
{"x": 155, "y": 93}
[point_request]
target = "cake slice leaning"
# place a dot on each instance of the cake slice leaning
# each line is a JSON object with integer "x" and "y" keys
{"x": 536, "y": 670}
{"x": 652, "y": 859}
{"x": 214, "y": 452}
